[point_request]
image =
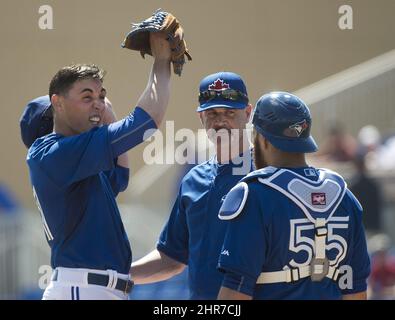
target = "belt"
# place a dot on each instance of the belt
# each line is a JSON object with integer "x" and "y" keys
{"x": 102, "y": 280}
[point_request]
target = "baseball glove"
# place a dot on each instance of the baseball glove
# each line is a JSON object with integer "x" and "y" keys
{"x": 160, "y": 21}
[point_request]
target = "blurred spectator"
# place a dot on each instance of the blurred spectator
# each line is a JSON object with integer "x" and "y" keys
{"x": 382, "y": 277}
{"x": 340, "y": 146}
{"x": 369, "y": 193}
{"x": 369, "y": 138}
{"x": 386, "y": 154}
{"x": 8, "y": 202}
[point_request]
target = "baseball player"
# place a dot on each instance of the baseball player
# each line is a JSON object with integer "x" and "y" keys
{"x": 76, "y": 173}
{"x": 193, "y": 235}
{"x": 294, "y": 231}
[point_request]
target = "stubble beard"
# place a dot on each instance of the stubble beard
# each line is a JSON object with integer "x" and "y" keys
{"x": 259, "y": 159}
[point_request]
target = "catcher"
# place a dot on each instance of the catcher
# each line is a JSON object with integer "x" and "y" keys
{"x": 76, "y": 171}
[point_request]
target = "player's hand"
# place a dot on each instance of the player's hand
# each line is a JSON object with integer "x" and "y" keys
{"x": 160, "y": 46}
{"x": 109, "y": 115}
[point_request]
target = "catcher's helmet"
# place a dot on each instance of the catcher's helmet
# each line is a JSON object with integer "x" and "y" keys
{"x": 36, "y": 120}
{"x": 285, "y": 121}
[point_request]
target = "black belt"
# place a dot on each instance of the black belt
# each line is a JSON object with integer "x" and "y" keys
{"x": 102, "y": 280}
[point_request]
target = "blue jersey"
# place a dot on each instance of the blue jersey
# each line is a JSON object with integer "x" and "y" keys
{"x": 193, "y": 234}
{"x": 75, "y": 181}
{"x": 272, "y": 236}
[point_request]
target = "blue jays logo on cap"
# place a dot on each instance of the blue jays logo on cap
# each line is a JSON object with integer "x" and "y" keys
{"x": 222, "y": 90}
{"x": 296, "y": 129}
{"x": 218, "y": 85}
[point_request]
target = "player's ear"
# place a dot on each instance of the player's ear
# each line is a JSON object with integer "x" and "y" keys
{"x": 248, "y": 111}
{"x": 201, "y": 118}
{"x": 56, "y": 102}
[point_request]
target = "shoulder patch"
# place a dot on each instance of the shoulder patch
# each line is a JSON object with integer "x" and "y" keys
{"x": 234, "y": 202}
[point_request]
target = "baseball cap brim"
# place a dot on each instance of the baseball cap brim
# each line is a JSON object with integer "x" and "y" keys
{"x": 222, "y": 104}
{"x": 307, "y": 145}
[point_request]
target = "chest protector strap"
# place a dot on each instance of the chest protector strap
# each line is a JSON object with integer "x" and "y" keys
{"x": 318, "y": 200}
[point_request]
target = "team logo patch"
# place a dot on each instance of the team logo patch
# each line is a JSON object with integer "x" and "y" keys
{"x": 310, "y": 172}
{"x": 218, "y": 85}
{"x": 318, "y": 199}
{"x": 296, "y": 129}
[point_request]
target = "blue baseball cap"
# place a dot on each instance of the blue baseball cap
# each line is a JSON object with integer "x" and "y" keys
{"x": 36, "y": 120}
{"x": 219, "y": 82}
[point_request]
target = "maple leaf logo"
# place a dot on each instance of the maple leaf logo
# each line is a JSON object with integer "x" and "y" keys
{"x": 218, "y": 85}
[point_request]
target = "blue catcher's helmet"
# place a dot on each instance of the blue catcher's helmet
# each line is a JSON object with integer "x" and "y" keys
{"x": 285, "y": 121}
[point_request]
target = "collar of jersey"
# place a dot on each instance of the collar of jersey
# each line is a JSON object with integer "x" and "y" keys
{"x": 222, "y": 168}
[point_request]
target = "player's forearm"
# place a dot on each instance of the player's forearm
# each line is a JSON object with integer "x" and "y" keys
{"x": 152, "y": 272}
{"x": 123, "y": 160}
{"x": 155, "y": 267}
{"x": 229, "y": 294}
{"x": 355, "y": 296}
{"x": 155, "y": 97}
{"x": 108, "y": 118}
